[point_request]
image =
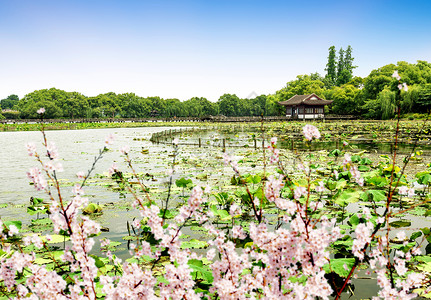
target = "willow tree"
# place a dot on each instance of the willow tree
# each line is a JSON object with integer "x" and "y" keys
{"x": 388, "y": 104}
{"x": 410, "y": 98}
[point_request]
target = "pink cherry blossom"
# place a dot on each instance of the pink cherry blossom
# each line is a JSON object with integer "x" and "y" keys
{"x": 396, "y": 76}
{"x": 109, "y": 140}
{"x": 31, "y": 149}
{"x": 310, "y": 132}
{"x": 125, "y": 150}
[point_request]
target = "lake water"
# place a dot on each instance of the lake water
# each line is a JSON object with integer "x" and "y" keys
{"x": 77, "y": 149}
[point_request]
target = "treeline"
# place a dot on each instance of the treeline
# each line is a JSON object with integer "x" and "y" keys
{"x": 370, "y": 97}
{"x": 62, "y": 104}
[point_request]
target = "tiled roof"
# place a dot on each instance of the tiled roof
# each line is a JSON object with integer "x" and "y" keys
{"x": 311, "y": 99}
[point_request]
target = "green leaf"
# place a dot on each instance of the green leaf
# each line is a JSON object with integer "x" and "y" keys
{"x": 366, "y": 161}
{"x": 363, "y": 168}
{"x": 170, "y": 213}
{"x": 346, "y": 197}
{"x": 354, "y": 220}
{"x": 378, "y": 181}
{"x": 98, "y": 261}
{"x": 55, "y": 238}
{"x": 341, "y": 184}
{"x": 389, "y": 169}
{"x": 355, "y": 158}
{"x": 334, "y": 153}
{"x": 194, "y": 244}
{"x": 340, "y": 266}
{"x": 424, "y": 179}
{"x": 373, "y": 195}
{"x": 426, "y": 231}
{"x": 200, "y": 268}
{"x": 255, "y": 179}
{"x": 42, "y": 260}
{"x": 415, "y": 235}
{"x": 92, "y": 208}
{"x": 183, "y": 183}
{"x": 36, "y": 201}
{"x": 222, "y": 198}
{"x": 202, "y": 176}
{"x": 18, "y": 224}
{"x": 400, "y": 223}
{"x": 426, "y": 267}
{"x": 221, "y": 213}
{"x": 224, "y": 215}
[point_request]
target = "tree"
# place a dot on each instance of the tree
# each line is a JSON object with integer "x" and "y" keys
{"x": 51, "y": 100}
{"x": 339, "y": 72}
{"x": 424, "y": 97}
{"x": 258, "y": 107}
{"x": 345, "y": 66}
{"x": 229, "y": 105}
{"x": 344, "y": 100}
{"x": 272, "y": 107}
{"x": 387, "y": 103}
{"x": 9, "y": 102}
{"x": 109, "y": 107}
{"x": 348, "y": 61}
{"x": 331, "y": 68}
{"x": 303, "y": 85}
{"x": 340, "y": 64}
{"x": 75, "y": 105}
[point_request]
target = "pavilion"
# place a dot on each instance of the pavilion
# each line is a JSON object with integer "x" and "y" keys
{"x": 305, "y": 107}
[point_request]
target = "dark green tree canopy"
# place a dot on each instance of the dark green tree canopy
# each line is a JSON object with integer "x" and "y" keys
{"x": 9, "y": 102}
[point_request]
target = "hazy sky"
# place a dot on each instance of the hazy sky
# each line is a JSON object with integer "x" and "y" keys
{"x": 183, "y": 49}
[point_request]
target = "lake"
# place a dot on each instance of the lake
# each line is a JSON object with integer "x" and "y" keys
{"x": 77, "y": 149}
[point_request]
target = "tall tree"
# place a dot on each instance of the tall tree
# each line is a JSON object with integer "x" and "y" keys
{"x": 345, "y": 63}
{"x": 340, "y": 65}
{"x": 331, "y": 67}
{"x": 348, "y": 60}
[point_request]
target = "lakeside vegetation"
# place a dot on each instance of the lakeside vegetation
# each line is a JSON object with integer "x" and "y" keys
{"x": 360, "y": 130}
{"x": 372, "y": 97}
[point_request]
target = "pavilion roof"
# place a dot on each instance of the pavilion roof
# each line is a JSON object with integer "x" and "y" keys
{"x": 311, "y": 99}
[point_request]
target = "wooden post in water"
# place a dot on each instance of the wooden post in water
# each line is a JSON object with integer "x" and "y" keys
{"x": 199, "y": 142}
{"x": 255, "y": 143}
{"x": 224, "y": 145}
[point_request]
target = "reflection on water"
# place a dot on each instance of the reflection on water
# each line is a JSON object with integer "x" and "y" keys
{"x": 383, "y": 148}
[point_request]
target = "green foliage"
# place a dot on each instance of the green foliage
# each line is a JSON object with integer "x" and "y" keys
{"x": 339, "y": 72}
{"x": 92, "y": 208}
{"x": 340, "y": 266}
{"x": 183, "y": 183}
{"x": 370, "y": 97}
{"x": 344, "y": 100}
{"x": 194, "y": 244}
{"x": 387, "y": 103}
{"x": 9, "y": 102}
{"x": 331, "y": 68}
